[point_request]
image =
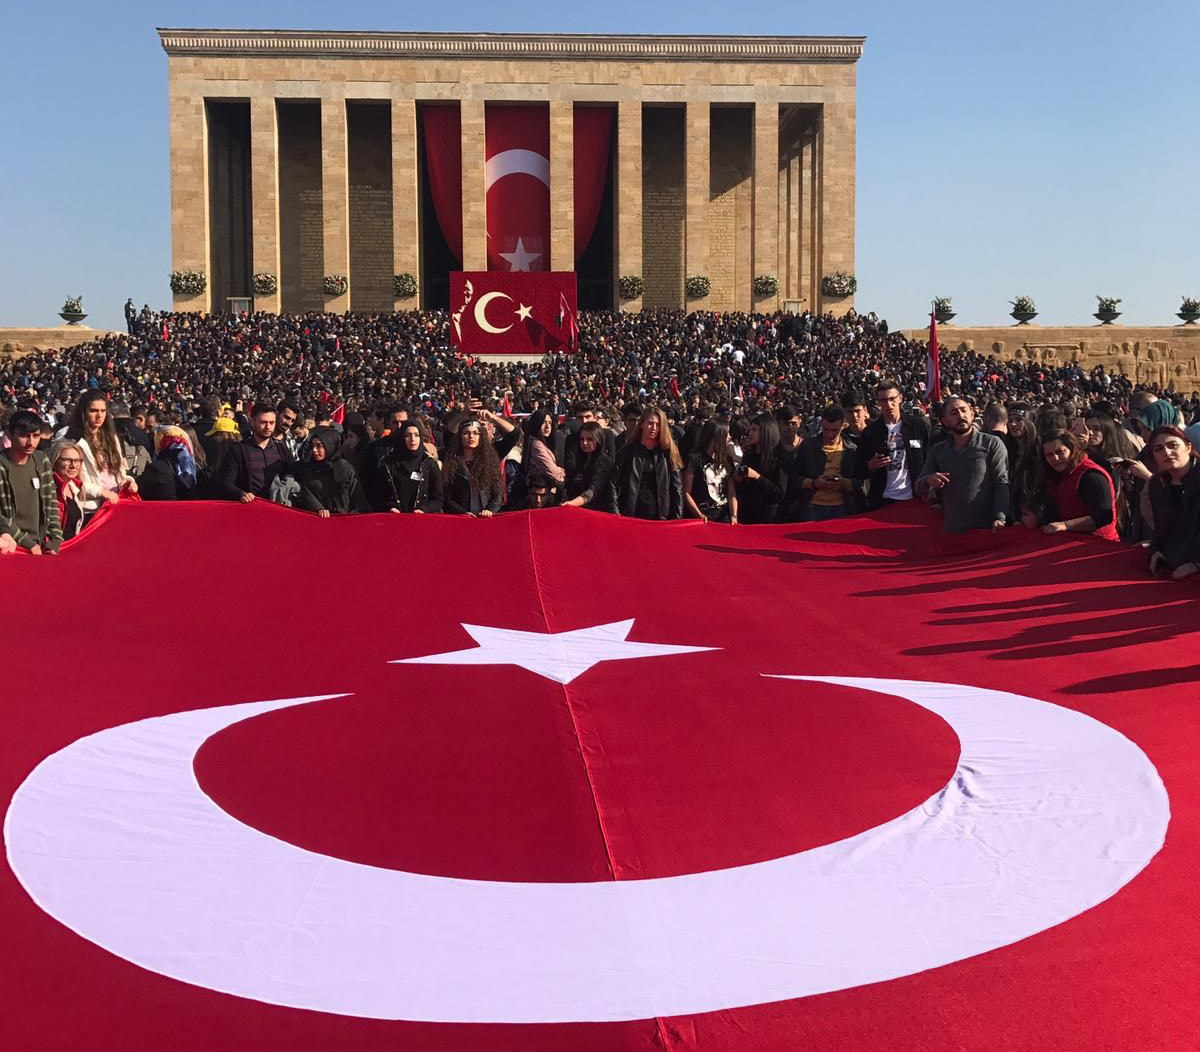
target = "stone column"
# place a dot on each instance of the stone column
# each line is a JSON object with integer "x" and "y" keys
{"x": 836, "y": 188}
{"x": 809, "y": 243}
{"x": 335, "y": 192}
{"x": 698, "y": 181}
{"x": 406, "y": 234}
{"x": 562, "y": 184}
{"x": 629, "y": 195}
{"x": 766, "y": 197}
{"x": 264, "y": 196}
{"x": 474, "y": 196}
{"x": 791, "y": 212}
{"x": 189, "y": 193}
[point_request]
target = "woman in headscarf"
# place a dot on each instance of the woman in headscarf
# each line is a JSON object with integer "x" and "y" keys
{"x": 410, "y": 477}
{"x": 1137, "y": 472}
{"x": 328, "y": 484}
{"x": 67, "y": 460}
{"x": 172, "y": 473}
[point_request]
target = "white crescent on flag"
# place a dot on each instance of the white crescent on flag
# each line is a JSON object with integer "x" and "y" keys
{"x": 115, "y": 838}
{"x": 516, "y": 162}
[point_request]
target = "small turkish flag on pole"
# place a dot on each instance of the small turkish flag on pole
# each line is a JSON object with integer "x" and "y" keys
{"x": 933, "y": 366}
{"x": 566, "y": 322}
{"x": 338, "y": 416}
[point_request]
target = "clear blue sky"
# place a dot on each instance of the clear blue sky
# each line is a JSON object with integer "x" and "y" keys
{"x": 1047, "y": 149}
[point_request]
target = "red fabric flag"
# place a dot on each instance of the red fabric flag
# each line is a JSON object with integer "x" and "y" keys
{"x": 593, "y": 133}
{"x": 512, "y": 313}
{"x": 674, "y": 385}
{"x": 442, "y": 128}
{"x": 567, "y": 323}
{"x": 338, "y": 416}
{"x": 166, "y": 333}
{"x": 353, "y": 851}
{"x": 517, "y": 184}
{"x": 506, "y": 407}
{"x": 933, "y": 365}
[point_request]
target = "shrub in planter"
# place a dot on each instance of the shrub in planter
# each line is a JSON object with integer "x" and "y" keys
{"x": 264, "y": 284}
{"x": 697, "y": 286}
{"x": 630, "y": 286}
{"x": 839, "y": 284}
{"x": 73, "y": 305}
{"x": 766, "y": 285}
{"x": 188, "y": 282}
{"x": 404, "y": 286}
{"x": 335, "y": 284}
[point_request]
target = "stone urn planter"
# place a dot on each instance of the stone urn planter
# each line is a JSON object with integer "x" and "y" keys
{"x": 1024, "y": 317}
{"x": 1188, "y": 317}
{"x": 944, "y": 317}
{"x": 72, "y": 318}
{"x": 1107, "y": 317}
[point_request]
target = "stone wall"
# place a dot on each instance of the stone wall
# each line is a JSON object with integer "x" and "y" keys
{"x": 1163, "y": 355}
{"x": 16, "y": 342}
{"x": 301, "y": 208}
{"x": 663, "y": 205}
{"x": 370, "y": 174}
{"x": 731, "y": 207}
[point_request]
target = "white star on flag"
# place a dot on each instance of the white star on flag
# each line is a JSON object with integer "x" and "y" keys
{"x": 518, "y": 258}
{"x": 523, "y": 312}
{"x": 560, "y": 656}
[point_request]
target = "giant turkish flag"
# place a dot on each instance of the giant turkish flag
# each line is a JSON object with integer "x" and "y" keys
{"x": 573, "y": 781}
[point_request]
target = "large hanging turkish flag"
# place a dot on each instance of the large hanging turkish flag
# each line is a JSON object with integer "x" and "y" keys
{"x": 517, "y": 183}
{"x": 589, "y": 783}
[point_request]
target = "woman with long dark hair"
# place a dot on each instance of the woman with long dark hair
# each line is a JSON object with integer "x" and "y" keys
{"x": 537, "y": 455}
{"x": 1078, "y": 493}
{"x": 590, "y": 483}
{"x": 761, "y": 481}
{"x": 471, "y": 474}
{"x": 103, "y": 476}
{"x": 709, "y": 493}
{"x": 649, "y": 485}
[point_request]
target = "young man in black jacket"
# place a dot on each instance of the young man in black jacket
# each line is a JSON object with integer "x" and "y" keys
{"x": 892, "y": 450}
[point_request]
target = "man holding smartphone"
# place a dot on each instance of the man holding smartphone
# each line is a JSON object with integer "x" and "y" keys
{"x": 828, "y": 478}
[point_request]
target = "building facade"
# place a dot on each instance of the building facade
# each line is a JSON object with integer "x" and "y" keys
{"x": 300, "y": 155}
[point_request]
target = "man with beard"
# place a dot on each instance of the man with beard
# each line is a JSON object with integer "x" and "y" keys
{"x": 969, "y": 472}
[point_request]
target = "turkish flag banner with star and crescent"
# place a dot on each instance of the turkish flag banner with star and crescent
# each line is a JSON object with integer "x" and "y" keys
{"x": 517, "y": 185}
{"x": 572, "y": 781}
{"x": 513, "y": 313}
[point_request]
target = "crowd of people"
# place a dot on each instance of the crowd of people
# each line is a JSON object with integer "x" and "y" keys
{"x": 728, "y": 418}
